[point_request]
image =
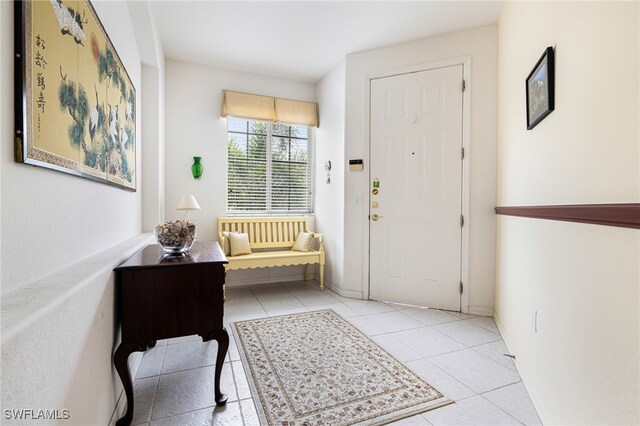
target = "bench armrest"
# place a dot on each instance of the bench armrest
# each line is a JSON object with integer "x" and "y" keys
{"x": 320, "y": 238}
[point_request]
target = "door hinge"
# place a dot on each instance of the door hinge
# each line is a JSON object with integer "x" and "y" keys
{"x": 462, "y": 153}
{"x": 461, "y": 287}
{"x": 461, "y": 221}
{"x": 464, "y": 85}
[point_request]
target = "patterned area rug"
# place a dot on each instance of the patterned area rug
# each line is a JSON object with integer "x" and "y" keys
{"x": 315, "y": 368}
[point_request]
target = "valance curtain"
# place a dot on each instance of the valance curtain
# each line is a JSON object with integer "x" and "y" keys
{"x": 267, "y": 108}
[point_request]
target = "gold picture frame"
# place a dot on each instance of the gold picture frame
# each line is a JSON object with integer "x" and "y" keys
{"x": 74, "y": 100}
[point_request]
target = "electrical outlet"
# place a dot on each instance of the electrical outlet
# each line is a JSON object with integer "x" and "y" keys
{"x": 533, "y": 320}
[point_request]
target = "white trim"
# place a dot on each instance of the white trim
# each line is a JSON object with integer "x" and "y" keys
{"x": 465, "y": 61}
{"x": 231, "y": 283}
{"x": 344, "y": 293}
{"x": 389, "y": 72}
{"x": 466, "y": 184}
{"x": 483, "y": 312}
{"x": 311, "y": 163}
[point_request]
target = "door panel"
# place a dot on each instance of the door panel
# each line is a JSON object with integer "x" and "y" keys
{"x": 395, "y": 151}
{"x": 416, "y": 138}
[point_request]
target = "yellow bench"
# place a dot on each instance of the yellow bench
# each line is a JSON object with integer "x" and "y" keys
{"x": 272, "y": 233}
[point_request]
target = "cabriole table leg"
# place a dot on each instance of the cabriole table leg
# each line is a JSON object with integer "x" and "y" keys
{"x": 120, "y": 360}
{"x": 222, "y": 337}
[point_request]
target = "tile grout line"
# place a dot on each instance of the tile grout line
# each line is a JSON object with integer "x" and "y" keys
{"x": 483, "y": 355}
{"x": 447, "y": 374}
{"x": 259, "y": 302}
{"x": 195, "y": 368}
{"x": 486, "y": 356}
{"x": 235, "y": 385}
{"x": 482, "y": 326}
{"x": 462, "y": 343}
{"x": 201, "y": 408}
{"x": 186, "y": 412}
{"x": 480, "y": 395}
{"x": 491, "y": 359}
{"x": 153, "y": 403}
{"x": 501, "y": 387}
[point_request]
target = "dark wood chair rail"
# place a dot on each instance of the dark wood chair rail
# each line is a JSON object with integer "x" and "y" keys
{"x": 621, "y": 215}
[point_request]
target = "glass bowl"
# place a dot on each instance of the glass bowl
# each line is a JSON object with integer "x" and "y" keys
{"x": 176, "y": 236}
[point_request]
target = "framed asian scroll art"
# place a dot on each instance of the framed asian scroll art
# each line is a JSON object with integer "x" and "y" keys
{"x": 75, "y": 103}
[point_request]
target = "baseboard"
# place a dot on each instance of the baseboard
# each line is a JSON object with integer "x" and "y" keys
{"x": 522, "y": 370}
{"x": 340, "y": 291}
{"x": 270, "y": 280}
{"x": 479, "y": 310}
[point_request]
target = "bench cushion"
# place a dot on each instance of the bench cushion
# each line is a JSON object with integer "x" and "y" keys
{"x": 303, "y": 241}
{"x": 239, "y": 244}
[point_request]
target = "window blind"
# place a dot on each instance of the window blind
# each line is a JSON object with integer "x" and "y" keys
{"x": 269, "y": 168}
{"x": 266, "y": 108}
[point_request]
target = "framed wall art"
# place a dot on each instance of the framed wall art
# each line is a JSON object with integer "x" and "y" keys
{"x": 75, "y": 103}
{"x": 540, "y": 89}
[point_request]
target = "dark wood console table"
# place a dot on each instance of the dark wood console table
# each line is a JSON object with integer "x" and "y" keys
{"x": 164, "y": 296}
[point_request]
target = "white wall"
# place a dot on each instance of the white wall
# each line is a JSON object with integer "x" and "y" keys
{"x": 582, "y": 366}
{"x": 58, "y": 338}
{"x": 480, "y": 45}
{"x": 153, "y": 113}
{"x": 49, "y": 221}
{"x": 55, "y": 218}
{"x": 194, "y": 128}
{"x": 153, "y": 146}
{"x": 330, "y": 197}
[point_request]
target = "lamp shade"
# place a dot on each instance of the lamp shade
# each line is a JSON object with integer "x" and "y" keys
{"x": 188, "y": 202}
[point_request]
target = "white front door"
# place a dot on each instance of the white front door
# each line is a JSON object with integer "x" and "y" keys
{"x": 416, "y": 159}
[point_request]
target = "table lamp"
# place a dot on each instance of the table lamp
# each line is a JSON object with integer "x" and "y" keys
{"x": 188, "y": 202}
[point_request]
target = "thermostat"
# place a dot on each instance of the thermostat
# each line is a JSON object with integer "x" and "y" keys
{"x": 356, "y": 165}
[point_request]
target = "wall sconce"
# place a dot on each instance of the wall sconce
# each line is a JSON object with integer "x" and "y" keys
{"x": 196, "y": 168}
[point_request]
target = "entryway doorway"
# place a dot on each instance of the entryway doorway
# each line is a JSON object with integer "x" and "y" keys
{"x": 416, "y": 184}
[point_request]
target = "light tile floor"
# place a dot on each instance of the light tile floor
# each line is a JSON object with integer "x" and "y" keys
{"x": 460, "y": 355}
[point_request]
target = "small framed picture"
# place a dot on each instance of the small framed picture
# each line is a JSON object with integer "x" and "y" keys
{"x": 540, "y": 89}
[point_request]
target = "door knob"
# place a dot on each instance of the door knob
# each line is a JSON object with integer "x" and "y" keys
{"x": 375, "y": 217}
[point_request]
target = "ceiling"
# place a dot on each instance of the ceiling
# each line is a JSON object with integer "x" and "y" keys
{"x": 302, "y": 40}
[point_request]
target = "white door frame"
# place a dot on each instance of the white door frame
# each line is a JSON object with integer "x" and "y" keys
{"x": 465, "y": 61}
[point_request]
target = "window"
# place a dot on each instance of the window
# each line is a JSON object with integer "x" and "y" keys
{"x": 269, "y": 168}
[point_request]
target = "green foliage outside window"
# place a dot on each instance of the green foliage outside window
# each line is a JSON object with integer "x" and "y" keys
{"x": 268, "y": 169}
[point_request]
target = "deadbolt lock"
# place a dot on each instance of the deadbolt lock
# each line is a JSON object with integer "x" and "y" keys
{"x": 375, "y": 217}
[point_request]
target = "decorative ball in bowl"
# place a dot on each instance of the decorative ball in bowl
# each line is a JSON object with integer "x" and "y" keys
{"x": 176, "y": 236}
